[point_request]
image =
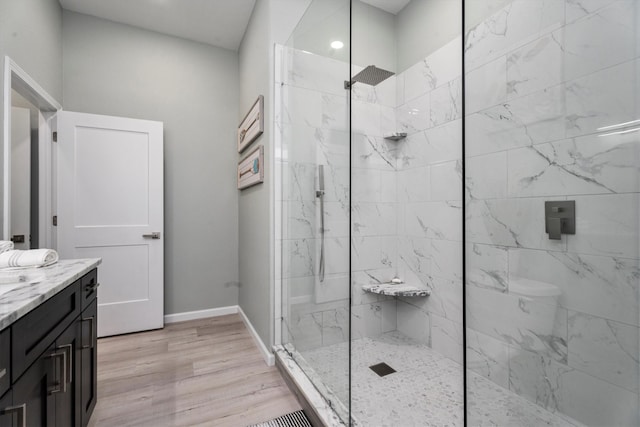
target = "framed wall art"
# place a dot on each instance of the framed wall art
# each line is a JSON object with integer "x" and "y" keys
{"x": 252, "y": 125}
{"x": 251, "y": 169}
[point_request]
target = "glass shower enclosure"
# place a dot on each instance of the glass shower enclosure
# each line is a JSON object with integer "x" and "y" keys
{"x": 458, "y": 235}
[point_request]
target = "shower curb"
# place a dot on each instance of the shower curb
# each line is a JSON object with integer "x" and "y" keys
{"x": 314, "y": 405}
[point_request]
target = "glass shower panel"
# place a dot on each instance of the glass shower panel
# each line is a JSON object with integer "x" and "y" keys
{"x": 312, "y": 136}
{"x": 406, "y": 214}
{"x": 552, "y": 114}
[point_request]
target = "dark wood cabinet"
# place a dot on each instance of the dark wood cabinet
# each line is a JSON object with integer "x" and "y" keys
{"x": 68, "y": 412}
{"x": 53, "y": 366}
{"x": 36, "y": 390}
{"x": 89, "y": 361}
{"x": 9, "y": 415}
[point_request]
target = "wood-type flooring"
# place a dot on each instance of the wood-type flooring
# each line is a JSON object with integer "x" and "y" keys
{"x": 205, "y": 372}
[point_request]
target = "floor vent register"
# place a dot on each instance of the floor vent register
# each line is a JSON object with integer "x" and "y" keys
{"x": 294, "y": 419}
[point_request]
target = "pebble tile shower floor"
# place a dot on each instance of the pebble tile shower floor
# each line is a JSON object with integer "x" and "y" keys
{"x": 426, "y": 390}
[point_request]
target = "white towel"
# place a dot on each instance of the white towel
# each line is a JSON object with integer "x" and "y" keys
{"x": 32, "y": 258}
{"x": 5, "y": 245}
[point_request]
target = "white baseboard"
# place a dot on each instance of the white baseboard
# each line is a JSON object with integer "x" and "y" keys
{"x": 200, "y": 314}
{"x": 269, "y": 358}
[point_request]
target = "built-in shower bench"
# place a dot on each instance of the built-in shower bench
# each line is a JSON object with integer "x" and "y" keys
{"x": 396, "y": 290}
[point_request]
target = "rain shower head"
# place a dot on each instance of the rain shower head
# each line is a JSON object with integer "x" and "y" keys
{"x": 371, "y": 75}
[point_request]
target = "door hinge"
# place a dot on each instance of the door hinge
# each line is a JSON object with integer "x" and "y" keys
{"x": 55, "y": 137}
{"x": 55, "y": 220}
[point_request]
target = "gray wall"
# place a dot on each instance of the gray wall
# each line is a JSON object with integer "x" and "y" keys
{"x": 272, "y": 22}
{"x": 120, "y": 70}
{"x": 31, "y": 35}
{"x": 423, "y": 26}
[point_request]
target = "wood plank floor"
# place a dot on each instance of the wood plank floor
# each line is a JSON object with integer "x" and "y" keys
{"x": 204, "y": 372}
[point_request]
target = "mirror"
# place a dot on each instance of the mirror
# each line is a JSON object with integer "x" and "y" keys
{"x": 27, "y": 173}
{"x": 24, "y": 173}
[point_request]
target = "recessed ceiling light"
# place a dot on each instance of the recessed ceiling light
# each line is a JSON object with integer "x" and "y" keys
{"x": 337, "y": 44}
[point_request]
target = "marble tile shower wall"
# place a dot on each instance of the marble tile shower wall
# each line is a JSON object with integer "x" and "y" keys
{"x": 542, "y": 77}
{"x": 312, "y": 128}
{"x": 429, "y": 170}
{"x": 405, "y": 199}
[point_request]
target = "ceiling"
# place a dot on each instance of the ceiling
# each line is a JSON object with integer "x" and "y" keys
{"x": 219, "y": 23}
{"x": 391, "y": 6}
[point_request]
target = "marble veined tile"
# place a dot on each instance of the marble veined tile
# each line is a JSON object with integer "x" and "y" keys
{"x": 576, "y": 9}
{"x": 601, "y": 99}
{"x": 521, "y": 322}
{"x": 604, "y": 349}
{"x": 511, "y": 222}
{"x": 607, "y": 225}
{"x": 302, "y": 67}
{"x": 446, "y": 181}
{"x": 373, "y": 152}
{"x": 414, "y": 184}
{"x": 446, "y": 337}
{"x": 585, "y": 165}
{"x": 301, "y": 220}
{"x": 536, "y": 66}
{"x": 487, "y": 266}
{"x": 435, "y": 220}
{"x": 300, "y": 258}
{"x": 531, "y": 119}
{"x": 563, "y": 389}
{"x": 486, "y": 176}
{"x": 517, "y": 23}
{"x": 436, "y": 70}
{"x": 374, "y": 219}
{"x": 372, "y": 253}
{"x": 589, "y": 41}
{"x": 301, "y": 106}
{"x": 486, "y": 86}
{"x": 365, "y": 118}
{"x": 488, "y": 357}
{"x": 415, "y": 115}
{"x": 414, "y": 263}
{"x": 335, "y": 326}
{"x": 446, "y": 103}
{"x": 602, "y": 286}
{"x": 446, "y": 259}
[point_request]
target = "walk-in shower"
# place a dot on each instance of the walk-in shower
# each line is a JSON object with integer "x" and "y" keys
{"x": 429, "y": 277}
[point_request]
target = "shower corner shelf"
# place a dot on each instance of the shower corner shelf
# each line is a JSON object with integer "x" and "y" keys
{"x": 396, "y": 136}
{"x": 396, "y": 290}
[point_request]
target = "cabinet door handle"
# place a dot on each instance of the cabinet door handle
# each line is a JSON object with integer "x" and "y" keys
{"x": 69, "y": 361}
{"x": 61, "y": 383}
{"x": 21, "y": 410}
{"x": 93, "y": 335}
{"x": 3, "y": 372}
{"x": 91, "y": 287}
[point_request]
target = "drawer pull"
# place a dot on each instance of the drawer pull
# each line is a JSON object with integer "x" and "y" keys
{"x": 21, "y": 410}
{"x": 91, "y": 287}
{"x": 93, "y": 335}
{"x": 61, "y": 383}
{"x": 3, "y": 372}
{"x": 69, "y": 361}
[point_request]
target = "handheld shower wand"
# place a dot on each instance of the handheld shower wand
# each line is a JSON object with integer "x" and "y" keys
{"x": 320, "y": 195}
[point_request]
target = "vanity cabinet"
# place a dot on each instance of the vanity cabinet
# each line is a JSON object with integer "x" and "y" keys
{"x": 53, "y": 361}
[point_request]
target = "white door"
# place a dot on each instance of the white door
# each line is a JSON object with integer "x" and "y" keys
{"x": 20, "y": 221}
{"x": 110, "y": 205}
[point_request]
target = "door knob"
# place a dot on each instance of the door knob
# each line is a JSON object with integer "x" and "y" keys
{"x": 154, "y": 235}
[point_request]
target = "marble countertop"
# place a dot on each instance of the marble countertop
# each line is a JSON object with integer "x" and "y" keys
{"x": 39, "y": 285}
{"x": 396, "y": 290}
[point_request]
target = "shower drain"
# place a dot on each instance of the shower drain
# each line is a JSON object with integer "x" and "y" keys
{"x": 382, "y": 369}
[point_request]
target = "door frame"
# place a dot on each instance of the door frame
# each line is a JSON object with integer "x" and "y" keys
{"x": 18, "y": 79}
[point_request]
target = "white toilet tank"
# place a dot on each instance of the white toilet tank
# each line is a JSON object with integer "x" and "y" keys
{"x": 539, "y": 292}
